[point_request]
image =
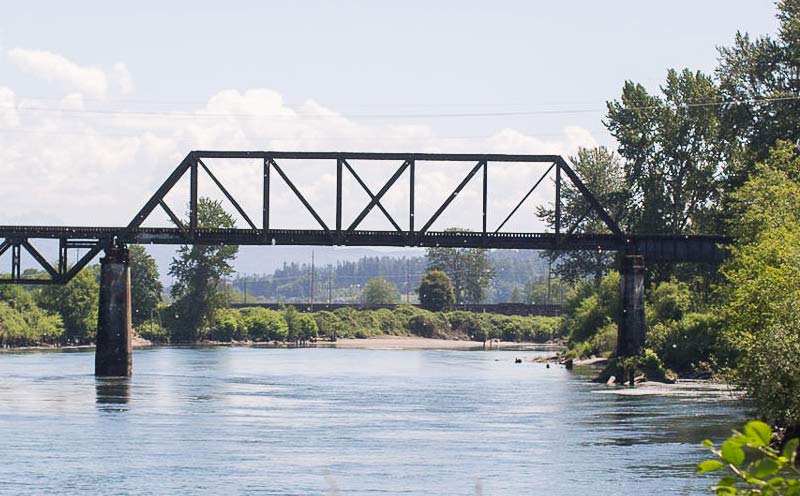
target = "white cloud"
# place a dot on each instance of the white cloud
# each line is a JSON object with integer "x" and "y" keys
{"x": 122, "y": 78}
{"x": 57, "y": 68}
{"x": 100, "y": 169}
{"x": 8, "y": 108}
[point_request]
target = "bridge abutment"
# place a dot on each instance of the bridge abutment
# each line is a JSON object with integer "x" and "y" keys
{"x": 113, "y": 355}
{"x": 631, "y": 333}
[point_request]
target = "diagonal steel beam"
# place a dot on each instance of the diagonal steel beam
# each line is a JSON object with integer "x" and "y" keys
{"x": 598, "y": 207}
{"x": 40, "y": 259}
{"x": 159, "y": 195}
{"x": 228, "y": 195}
{"x": 514, "y": 210}
{"x": 452, "y": 197}
{"x": 300, "y": 196}
{"x": 174, "y": 218}
{"x": 575, "y": 225}
{"x": 375, "y": 200}
{"x": 5, "y": 245}
{"x": 84, "y": 260}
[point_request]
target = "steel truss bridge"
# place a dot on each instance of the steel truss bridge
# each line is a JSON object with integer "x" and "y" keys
{"x": 410, "y": 232}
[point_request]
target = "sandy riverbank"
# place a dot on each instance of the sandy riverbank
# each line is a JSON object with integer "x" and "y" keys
{"x": 418, "y": 343}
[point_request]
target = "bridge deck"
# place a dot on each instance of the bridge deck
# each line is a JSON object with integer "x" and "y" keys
{"x": 687, "y": 248}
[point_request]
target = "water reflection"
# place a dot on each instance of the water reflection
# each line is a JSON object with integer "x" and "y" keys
{"x": 112, "y": 393}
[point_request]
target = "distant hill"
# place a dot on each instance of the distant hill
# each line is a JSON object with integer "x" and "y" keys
{"x": 343, "y": 280}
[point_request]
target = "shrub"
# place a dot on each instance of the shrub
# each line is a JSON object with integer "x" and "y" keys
{"x": 668, "y": 301}
{"x": 153, "y": 332}
{"x": 329, "y": 325}
{"x": 685, "y": 344}
{"x": 263, "y": 324}
{"x": 228, "y": 325}
{"x": 652, "y": 366}
{"x": 770, "y": 472}
{"x": 604, "y": 343}
{"x": 469, "y": 324}
{"x": 429, "y": 325}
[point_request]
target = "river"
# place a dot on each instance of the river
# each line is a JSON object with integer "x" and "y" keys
{"x": 238, "y": 420}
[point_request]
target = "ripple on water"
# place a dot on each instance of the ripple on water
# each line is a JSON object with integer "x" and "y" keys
{"x": 318, "y": 421}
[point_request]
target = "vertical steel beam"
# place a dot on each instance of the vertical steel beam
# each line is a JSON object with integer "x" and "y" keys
{"x": 265, "y": 207}
{"x": 339, "y": 164}
{"x": 558, "y": 199}
{"x": 62, "y": 256}
{"x": 16, "y": 261}
{"x": 411, "y": 180}
{"x": 193, "y": 198}
{"x": 485, "y": 193}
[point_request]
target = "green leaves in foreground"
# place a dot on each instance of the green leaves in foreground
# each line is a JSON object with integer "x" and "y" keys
{"x": 769, "y": 472}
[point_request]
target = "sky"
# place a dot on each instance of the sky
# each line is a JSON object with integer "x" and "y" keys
{"x": 99, "y": 101}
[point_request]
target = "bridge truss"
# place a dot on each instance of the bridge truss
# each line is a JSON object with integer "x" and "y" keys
{"x": 405, "y": 233}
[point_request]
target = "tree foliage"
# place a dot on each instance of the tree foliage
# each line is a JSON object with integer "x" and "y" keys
{"x": 602, "y": 172}
{"x": 379, "y": 291}
{"x": 469, "y": 270}
{"x": 23, "y": 323}
{"x": 199, "y": 272}
{"x": 762, "y": 290}
{"x": 436, "y": 291}
{"x": 77, "y": 303}
{"x": 672, "y": 152}
{"x": 758, "y": 77}
{"x": 754, "y": 467}
{"x": 146, "y": 289}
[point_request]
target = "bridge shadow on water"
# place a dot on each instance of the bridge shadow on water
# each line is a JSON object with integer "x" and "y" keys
{"x": 112, "y": 393}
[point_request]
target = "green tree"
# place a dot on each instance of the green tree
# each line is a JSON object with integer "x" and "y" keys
{"x": 672, "y": 152}
{"x": 436, "y": 291}
{"x": 146, "y": 289}
{"x": 602, "y": 172}
{"x": 762, "y": 289}
{"x": 199, "y": 271}
{"x": 379, "y": 291}
{"x": 77, "y": 303}
{"x": 23, "y": 323}
{"x": 758, "y": 79}
{"x": 469, "y": 270}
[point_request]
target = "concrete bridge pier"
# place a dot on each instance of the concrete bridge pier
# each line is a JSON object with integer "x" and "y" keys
{"x": 113, "y": 355}
{"x": 631, "y": 333}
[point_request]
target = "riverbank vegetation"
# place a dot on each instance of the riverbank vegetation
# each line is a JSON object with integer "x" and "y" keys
{"x": 709, "y": 153}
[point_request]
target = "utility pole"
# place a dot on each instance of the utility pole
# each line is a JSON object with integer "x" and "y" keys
{"x": 311, "y": 303}
{"x": 330, "y": 284}
{"x": 408, "y": 282}
{"x": 245, "y": 289}
{"x": 549, "y": 274}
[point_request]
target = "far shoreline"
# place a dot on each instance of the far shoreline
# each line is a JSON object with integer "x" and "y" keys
{"x": 371, "y": 343}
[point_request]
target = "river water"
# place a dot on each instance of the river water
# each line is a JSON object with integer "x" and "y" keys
{"x": 334, "y": 421}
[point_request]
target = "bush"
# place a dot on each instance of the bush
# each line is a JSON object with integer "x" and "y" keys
{"x": 228, "y": 326}
{"x": 264, "y": 325}
{"x": 668, "y": 301}
{"x": 23, "y": 323}
{"x": 590, "y": 309}
{"x": 429, "y": 325}
{"x": 685, "y": 344}
{"x": 469, "y": 324}
{"x": 329, "y": 325}
{"x": 770, "y": 472}
{"x": 604, "y": 343}
{"x": 652, "y": 366}
{"x": 301, "y": 326}
{"x": 153, "y": 332}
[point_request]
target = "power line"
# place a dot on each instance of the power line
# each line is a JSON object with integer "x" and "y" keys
{"x": 332, "y": 115}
